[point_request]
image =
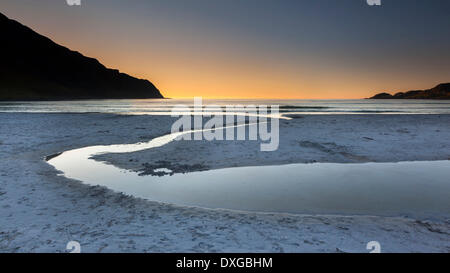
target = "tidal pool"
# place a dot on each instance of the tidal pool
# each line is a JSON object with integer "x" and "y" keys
{"x": 415, "y": 189}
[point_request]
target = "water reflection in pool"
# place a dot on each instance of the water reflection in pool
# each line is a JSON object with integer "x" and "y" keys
{"x": 417, "y": 189}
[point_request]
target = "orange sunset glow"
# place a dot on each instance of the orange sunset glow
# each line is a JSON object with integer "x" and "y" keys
{"x": 185, "y": 55}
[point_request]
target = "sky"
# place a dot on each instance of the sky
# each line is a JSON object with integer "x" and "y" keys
{"x": 285, "y": 49}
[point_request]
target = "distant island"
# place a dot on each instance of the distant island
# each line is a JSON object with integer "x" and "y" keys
{"x": 440, "y": 92}
{"x": 33, "y": 67}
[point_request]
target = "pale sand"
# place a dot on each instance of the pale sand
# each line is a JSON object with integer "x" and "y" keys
{"x": 41, "y": 211}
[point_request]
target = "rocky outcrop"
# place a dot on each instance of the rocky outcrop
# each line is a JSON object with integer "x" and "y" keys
{"x": 33, "y": 67}
{"x": 440, "y": 92}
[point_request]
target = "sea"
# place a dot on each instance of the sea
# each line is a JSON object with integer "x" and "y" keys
{"x": 167, "y": 106}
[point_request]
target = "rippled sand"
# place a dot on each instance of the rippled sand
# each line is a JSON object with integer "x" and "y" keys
{"x": 41, "y": 211}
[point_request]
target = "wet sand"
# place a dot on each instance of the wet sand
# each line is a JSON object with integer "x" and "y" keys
{"x": 42, "y": 211}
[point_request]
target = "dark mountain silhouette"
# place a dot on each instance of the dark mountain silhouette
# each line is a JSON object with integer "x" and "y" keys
{"x": 440, "y": 92}
{"x": 32, "y": 67}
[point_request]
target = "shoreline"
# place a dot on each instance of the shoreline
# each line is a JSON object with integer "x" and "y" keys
{"x": 43, "y": 211}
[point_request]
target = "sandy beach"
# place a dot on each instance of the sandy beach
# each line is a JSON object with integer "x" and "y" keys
{"x": 42, "y": 211}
